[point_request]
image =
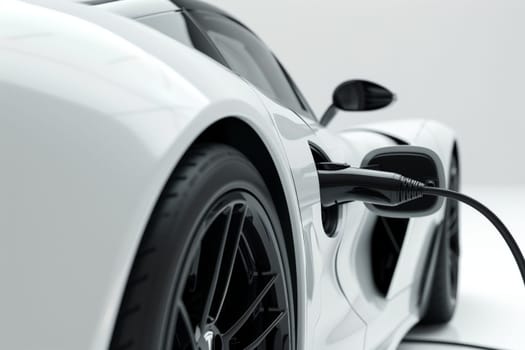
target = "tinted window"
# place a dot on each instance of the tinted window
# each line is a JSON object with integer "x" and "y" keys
{"x": 181, "y": 28}
{"x": 248, "y": 56}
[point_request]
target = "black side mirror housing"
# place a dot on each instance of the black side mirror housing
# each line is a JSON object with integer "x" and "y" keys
{"x": 415, "y": 162}
{"x": 361, "y": 95}
{"x": 357, "y": 95}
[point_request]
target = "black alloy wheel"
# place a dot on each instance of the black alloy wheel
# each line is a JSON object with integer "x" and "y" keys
{"x": 452, "y": 230}
{"x": 211, "y": 272}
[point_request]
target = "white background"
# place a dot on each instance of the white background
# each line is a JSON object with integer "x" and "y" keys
{"x": 461, "y": 62}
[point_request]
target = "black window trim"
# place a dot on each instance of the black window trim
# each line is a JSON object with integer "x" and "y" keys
{"x": 185, "y": 9}
{"x": 302, "y": 100}
{"x": 306, "y": 110}
{"x": 216, "y": 52}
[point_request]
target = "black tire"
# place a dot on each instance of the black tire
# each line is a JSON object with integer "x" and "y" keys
{"x": 211, "y": 267}
{"x": 443, "y": 295}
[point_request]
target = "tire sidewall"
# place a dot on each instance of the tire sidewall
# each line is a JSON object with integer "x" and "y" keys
{"x": 180, "y": 234}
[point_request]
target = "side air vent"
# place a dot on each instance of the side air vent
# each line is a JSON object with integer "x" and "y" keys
{"x": 387, "y": 240}
{"x": 330, "y": 215}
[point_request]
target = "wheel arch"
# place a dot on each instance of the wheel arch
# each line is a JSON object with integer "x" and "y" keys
{"x": 238, "y": 134}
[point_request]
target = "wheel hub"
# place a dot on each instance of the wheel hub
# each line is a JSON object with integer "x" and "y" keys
{"x": 210, "y": 339}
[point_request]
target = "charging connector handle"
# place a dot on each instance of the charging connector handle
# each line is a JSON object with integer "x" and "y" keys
{"x": 347, "y": 184}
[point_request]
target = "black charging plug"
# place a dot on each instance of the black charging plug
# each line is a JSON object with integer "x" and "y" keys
{"x": 341, "y": 183}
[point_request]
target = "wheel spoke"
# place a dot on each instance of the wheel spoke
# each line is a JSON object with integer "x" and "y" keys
{"x": 216, "y": 271}
{"x": 185, "y": 317}
{"x": 279, "y": 315}
{"x": 251, "y": 308}
{"x": 193, "y": 276}
{"x": 228, "y": 261}
{"x": 247, "y": 259}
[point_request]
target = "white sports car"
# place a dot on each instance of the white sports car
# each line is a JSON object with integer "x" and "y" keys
{"x": 161, "y": 190}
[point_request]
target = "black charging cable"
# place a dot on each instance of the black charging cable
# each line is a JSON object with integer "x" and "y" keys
{"x": 500, "y": 226}
{"x": 341, "y": 184}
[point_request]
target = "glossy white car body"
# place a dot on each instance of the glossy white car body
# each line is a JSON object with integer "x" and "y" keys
{"x": 97, "y": 109}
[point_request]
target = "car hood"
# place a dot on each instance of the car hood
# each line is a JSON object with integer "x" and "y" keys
{"x": 402, "y": 131}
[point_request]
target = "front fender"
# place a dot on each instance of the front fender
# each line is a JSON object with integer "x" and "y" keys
{"x": 92, "y": 125}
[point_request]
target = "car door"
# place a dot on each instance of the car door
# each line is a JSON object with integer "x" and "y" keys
{"x": 330, "y": 320}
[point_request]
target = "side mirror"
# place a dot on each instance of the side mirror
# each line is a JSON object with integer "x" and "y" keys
{"x": 357, "y": 95}
{"x": 418, "y": 163}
